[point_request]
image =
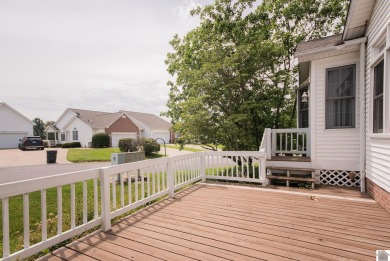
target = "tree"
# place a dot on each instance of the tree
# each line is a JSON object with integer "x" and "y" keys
{"x": 39, "y": 128}
{"x": 235, "y": 73}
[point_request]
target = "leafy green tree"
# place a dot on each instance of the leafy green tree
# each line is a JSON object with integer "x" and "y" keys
{"x": 39, "y": 128}
{"x": 235, "y": 73}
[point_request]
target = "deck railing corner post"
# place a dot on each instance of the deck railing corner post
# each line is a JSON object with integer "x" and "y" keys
{"x": 203, "y": 166}
{"x": 105, "y": 201}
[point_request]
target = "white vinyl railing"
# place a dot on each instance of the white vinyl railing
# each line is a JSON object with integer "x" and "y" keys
{"x": 290, "y": 141}
{"x": 70, "y": 204}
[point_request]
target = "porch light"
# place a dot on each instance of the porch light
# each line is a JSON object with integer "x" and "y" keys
{"x": 304, "y": 97}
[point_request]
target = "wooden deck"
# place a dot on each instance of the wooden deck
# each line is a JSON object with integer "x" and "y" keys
{"x": 216, "y": 222}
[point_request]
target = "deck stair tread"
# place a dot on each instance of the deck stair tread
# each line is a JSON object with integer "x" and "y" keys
{"x": 291, "y": 169}
{"x": 291, "y": 178}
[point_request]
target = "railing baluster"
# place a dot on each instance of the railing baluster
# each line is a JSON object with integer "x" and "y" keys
{"x": 5, "y": 215}
{"x": 136, "y": 186}
{"x": 154, "y": 180}
{"x": 44, "y": 214}
{"x": 122, "y": 189}
{"x": 26, "y": 220}
{"x": 129, "y": 187}
{"x": 148, "y": 180}
{"x": 95, "y": 199}
{"x": 59, "y": 210}
{"x": 142, "y": 183}
{"x": 159, "y": 178}
{"x": 113, "y": 185}
{"x": 72, "y": 206}
{"x": 85, "y": 205}
{"x": 163, "y": 175}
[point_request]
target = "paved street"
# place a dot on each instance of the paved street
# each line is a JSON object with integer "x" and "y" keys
{"x": 18, "y": 165}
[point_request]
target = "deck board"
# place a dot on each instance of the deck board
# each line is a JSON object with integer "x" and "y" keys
{"x": 213, "y": 222}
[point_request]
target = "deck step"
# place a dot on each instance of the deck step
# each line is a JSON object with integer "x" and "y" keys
{"x": 291, "y": 178}
{"x": 291, "y": 169}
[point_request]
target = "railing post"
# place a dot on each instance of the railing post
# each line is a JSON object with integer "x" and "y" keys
{"x": 308, "y": 143}
{"x": 263, "y": 169}
{"x": 105, "y": 194}
{"x": 268, "y": 143}
{"x": 170, "y": 179}
{"x": 273, "y": 144}
{"x": 203, "y": 166}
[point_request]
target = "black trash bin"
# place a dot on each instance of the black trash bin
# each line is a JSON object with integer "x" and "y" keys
{"x": 51, "y": 156}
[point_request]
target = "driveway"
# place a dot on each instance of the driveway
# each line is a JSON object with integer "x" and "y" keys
{"x": 16, "y": 157}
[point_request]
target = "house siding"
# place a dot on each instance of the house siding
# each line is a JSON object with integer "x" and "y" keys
{"x": 122, "y": 125}
{"x": 377, "y": 147}
{"x": 13, "y": 122}
{"x": 337, "y": 149}
{"x": 84, "y": 132}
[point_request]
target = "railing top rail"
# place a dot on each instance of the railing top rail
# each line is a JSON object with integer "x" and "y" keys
{"x": 185, "y": 156}
{"x": 295, "y": 130}
{"x": 235, "y": 153}
{"x": 32, "y": 185}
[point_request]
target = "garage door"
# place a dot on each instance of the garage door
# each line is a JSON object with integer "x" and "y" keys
{"x": 10, "y": 140}
{"x": 164, "y": 136}
{"x": 115, "y": 137}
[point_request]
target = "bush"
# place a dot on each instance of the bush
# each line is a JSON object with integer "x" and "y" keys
{"x": 149, "y": 146}
{"x": 128, "y": 145}
{"x": 100, "y": 140}
{"x": 71, "y": 145}
{"x": 45, "y": 143}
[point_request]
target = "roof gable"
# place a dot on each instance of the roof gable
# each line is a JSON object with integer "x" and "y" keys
{"x": 6, "y": 106}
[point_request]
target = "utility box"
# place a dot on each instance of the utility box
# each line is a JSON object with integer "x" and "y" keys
{"x": 126, "y": 157}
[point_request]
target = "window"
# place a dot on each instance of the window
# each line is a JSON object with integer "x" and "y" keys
{"x": 340, "y": 97}
{"x": 75, "y": 135}
{"x": 378, "y": 97}
{"x": 62, "y": 136}
{"x": 303, "y": 109}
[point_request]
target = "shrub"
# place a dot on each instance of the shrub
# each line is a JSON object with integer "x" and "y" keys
{"x": 45, "y": 143}
{"x": 59, "y": 145}
{"x": 149, "y": 146}
{"x": 128, "y": 145}
{"x": 71, "y": 145}
{"x": 100, "y": 140}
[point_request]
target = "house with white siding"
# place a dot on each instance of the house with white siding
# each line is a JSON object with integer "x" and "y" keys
{"x": 79, "y": 125}
{"x": 344, "y": 105}
{"x": 13, "y": 126}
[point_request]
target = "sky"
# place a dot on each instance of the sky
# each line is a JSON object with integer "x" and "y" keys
{"x": 98, "y": 55}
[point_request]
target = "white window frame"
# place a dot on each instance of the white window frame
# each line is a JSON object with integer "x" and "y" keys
{"x": 377, "y": 57}
{"x": 75, "y": 131}
{"x": 355, "y": 97}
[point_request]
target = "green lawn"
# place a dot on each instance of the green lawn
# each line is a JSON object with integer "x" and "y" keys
{"x": 95, "y": 155}
{"x": 174, "y": 146}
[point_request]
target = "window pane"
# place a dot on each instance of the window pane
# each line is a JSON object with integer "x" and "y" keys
{"x": 340, "y": 82}
{"x": 340, "y": 113}
{"x": 378, "y": 78}
{"x": 340, "y": 97}
{"x": 378, "y": 114}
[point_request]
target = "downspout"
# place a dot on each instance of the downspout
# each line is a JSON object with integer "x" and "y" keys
{"x": 362, "y": 103}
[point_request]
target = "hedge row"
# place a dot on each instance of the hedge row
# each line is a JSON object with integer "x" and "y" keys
{"x": 71, "y": 145}
{"x": 148, "y": 145}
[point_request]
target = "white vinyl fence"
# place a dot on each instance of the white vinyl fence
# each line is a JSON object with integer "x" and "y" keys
{"x": 75, "y": 202}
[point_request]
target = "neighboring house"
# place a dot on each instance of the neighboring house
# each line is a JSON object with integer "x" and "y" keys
{"x": 346, "y": 79}
{"x": 80, "y": 125}
{"x": 13, "y": 126}
{"x": 153, "y": 126}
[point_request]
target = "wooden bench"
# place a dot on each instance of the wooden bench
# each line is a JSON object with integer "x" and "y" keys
{"x": 290, "y": 171}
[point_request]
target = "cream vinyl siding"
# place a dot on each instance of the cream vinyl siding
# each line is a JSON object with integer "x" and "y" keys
{"x": 337, "y": 149}
{"x": 377, "y": 145}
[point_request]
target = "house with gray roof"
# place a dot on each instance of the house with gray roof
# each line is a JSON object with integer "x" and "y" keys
{"x": 79, "y": 125}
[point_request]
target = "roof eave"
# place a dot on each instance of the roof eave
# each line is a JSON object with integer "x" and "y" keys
{"x": 345, "y": 45}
